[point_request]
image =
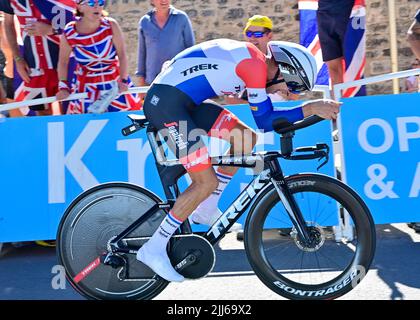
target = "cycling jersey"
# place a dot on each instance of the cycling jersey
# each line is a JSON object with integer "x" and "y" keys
{"x": 175, "y": 102}
{"x": 225, "y": 67}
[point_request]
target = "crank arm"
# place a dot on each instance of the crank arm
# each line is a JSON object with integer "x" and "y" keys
{"x": 187, "y": 261}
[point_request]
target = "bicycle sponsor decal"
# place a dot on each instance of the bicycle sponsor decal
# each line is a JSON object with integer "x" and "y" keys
{"x": 240, "y": 204}
{"x": 355, "y": 276}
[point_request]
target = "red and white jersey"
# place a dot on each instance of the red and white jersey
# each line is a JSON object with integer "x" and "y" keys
{"x": 218, "y": 67}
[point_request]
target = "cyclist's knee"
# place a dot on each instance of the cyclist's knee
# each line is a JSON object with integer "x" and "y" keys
{"x": 253, "y": 138}
{"x": 248, "y": 140}
{"x": 205, "y": 182}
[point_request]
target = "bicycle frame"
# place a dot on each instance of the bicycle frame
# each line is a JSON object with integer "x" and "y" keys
{"x": 171, "y": 170}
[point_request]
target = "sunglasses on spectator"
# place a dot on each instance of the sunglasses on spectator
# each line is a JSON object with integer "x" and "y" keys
{"x": 92, "y": 3}
{"x": 256, "y": 34}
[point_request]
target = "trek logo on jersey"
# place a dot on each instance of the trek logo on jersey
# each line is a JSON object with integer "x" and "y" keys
{"x": 200, "y": 67}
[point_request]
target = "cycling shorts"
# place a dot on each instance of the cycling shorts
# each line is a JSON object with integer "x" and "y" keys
{"x": 182, "y": 123}
{"x": 332, "y": 28}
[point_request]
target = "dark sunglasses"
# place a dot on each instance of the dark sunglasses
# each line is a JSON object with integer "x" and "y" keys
{"x": 256, "y": 34}
{"x": 92, "y": 3}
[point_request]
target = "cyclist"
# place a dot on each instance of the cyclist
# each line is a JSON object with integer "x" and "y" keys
{"x": 176, "y": 104}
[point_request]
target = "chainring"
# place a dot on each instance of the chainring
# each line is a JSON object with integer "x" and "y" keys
{"x": 195, "y": 251}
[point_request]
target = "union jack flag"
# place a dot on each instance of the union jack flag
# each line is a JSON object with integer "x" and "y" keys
{"x": 40, "y": 52}
{"x": 354, "y": 45}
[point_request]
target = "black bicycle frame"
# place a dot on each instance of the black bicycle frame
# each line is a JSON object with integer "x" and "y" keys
{"x": 171, "y": 170}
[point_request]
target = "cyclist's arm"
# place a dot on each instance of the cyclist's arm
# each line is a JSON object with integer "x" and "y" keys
{"x": 254, "y": 73}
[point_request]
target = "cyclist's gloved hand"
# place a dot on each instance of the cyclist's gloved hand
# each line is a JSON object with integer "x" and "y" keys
{"x": 325, "y": 108}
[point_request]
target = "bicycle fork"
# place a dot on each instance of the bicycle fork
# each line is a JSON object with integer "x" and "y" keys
{"x": 288, "y": 201}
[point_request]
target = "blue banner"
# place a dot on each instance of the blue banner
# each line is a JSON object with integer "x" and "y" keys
{"x": 47, "y": 161}
{"x": 381, "y": 147}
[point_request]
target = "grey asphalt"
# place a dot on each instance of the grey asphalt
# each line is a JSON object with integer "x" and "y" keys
{"x": 28, "y": 273}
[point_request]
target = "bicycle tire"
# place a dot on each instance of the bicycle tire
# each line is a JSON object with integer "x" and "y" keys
{"x": 85, "y": 229}
{"x": 282, "y": 280}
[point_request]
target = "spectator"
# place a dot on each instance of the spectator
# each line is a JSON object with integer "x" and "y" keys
{"x": 333, "y": 17}
{"x": 414, "y": 35}
{"x": 98, "y": 45}
{"x": 412, "y": 83}
{"x": 8, "y": 71}
{"x": 163, "y": 32}
{"x": 37, "y": 64}
{"x": 258, "y": 31}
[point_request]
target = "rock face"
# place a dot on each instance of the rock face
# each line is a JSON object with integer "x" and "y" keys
{"x": 226, "y": 18}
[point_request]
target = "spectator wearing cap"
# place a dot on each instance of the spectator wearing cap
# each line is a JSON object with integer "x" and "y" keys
{"x": 258, "y": 31}
{"x": 333, "y": 17}
{"x": 163, "y": 32}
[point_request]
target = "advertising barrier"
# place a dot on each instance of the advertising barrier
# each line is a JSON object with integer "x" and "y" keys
{"x": 381, "y": 148}
{"x": 47, "y": 161}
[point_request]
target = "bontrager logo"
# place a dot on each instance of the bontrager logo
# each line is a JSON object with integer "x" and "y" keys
{"x": 319, "y": 293}
{"x": 204, "y": 66}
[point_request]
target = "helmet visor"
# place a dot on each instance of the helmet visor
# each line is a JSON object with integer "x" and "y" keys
{"x": 293, "y": 80}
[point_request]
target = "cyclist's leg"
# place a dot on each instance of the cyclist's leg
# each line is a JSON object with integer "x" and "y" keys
{"x": 221, "y": 123}
{"x": 167, "y": 109}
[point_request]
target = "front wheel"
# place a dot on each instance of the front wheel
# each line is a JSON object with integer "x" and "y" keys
{"x": 326, "y": 269}
{"x": 89, "y": 224}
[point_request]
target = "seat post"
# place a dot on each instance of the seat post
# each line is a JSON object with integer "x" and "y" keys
{"x": 155, "y": 144}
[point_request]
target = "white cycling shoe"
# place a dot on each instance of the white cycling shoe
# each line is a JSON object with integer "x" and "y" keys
{"x": 159, "y": 262}
{"x": 209, "y": 218}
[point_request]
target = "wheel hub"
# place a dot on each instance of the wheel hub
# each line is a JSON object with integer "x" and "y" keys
{"x": 316, "y": 238}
